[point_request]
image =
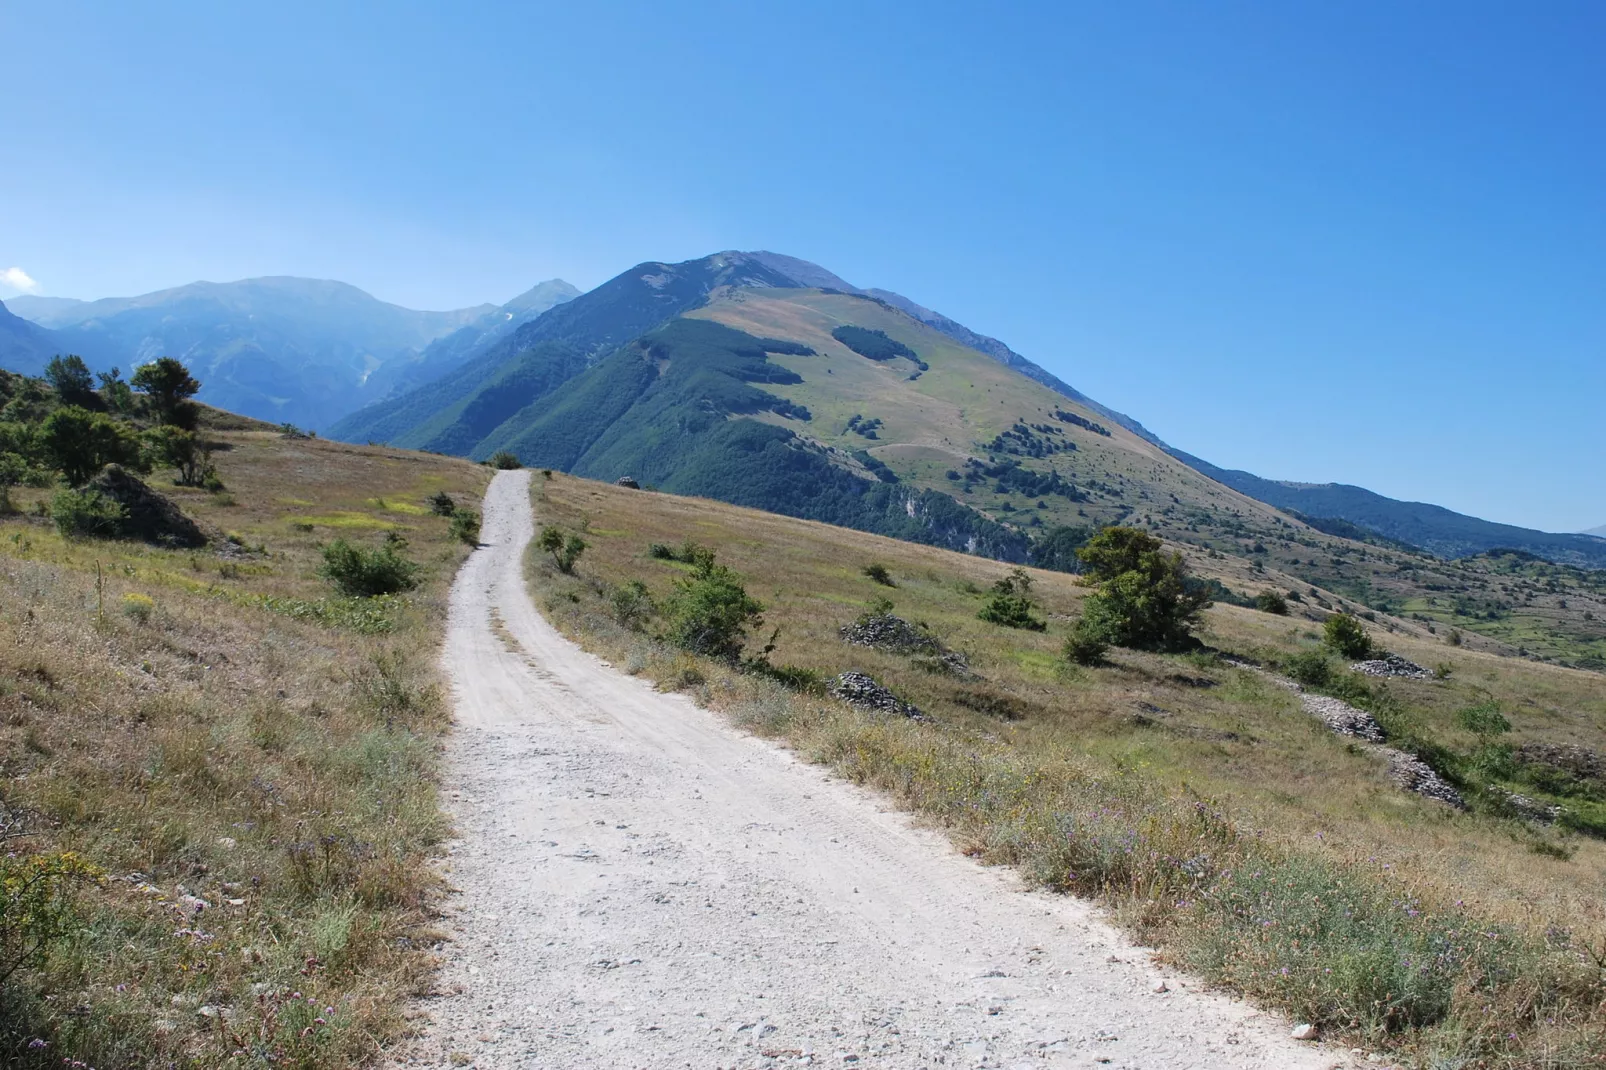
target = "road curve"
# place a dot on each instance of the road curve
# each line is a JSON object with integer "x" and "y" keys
{"x": 640, "y": 885}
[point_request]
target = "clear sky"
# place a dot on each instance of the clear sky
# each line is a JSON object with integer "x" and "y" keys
{"x": 1362, "y": 242}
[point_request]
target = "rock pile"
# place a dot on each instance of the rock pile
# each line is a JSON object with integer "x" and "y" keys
{"x": 883, "y": 631}
{"x": 1413, "y": 774}
{"x": 1343, "y": 718}
{"x": 627, "y": 481}
{"x": 1392, "y": 665}
{"x": 147, "y": 515}
{"x": 886, "y": 632}
{"x": 1532, "y": 809}
{"x": 1569, "y": 758}
{"x": 862, "y": 692}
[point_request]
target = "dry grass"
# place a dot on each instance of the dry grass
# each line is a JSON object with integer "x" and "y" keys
{"x": 1038, "y": 758}
{"x": 184, "y": 722}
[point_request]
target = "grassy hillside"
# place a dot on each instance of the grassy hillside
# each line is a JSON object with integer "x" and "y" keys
{"x": 1195, "y": 796}
{"x": 229, "y": 767}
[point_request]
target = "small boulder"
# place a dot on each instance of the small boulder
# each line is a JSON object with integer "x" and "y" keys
{"x": 1305, "y": 1031}
{"x": 627, "y": 481}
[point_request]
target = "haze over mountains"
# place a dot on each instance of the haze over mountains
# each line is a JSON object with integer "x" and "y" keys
{"x": 655, "y": 374}
{"x": 303, "y": 351}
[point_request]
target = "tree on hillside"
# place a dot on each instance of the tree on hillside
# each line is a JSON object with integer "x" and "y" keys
{"x": 119, "y": 396}
{"x": 69, "y": 377}
{"x": 169, "y": 385}
{"x": 1145, "y": 598}
{"x": 1057, "y": 547}
{"x": 80, "y": 443}
{"x": 174, "y": 447}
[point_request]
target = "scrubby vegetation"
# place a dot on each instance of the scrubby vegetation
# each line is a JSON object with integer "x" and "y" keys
{"x": 219, "y": 801}
{"x": 873, "y": 344}
{"x": 362, "y": 572}
{"x": 1193, "y": 796}
{"x": 1011, "y": 604}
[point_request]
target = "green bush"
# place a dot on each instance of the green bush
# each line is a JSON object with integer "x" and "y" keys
{"x": 504, "y": 459}
{"x": 878, "y": 572}
{"x": 1084, "y": 646}
{"x": 441, "y": 504}
{"x": 1011, "y": 605}
{"x": 1484, "y": 719}
{"x": 631, "y": 604}
{"x": 465, "y": 526}
{"x": 1271, "y": 602}
{"x": 80, "y": 443}
{"x": 1310, "y": 668}
{"x": 85, "y": 514}
{"x": 363, "y": 573}
{"x": 1145, "y": 598}
{"x": 1347, "y": 637}
{"x": 167, "y": 446}
{"x": 709, "y": 612}
{"x": 565, "y": 550}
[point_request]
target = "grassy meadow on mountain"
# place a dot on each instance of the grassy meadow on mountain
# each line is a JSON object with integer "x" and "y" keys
{"x": 219, "y": 794}
{"x": 1189, "y": 790}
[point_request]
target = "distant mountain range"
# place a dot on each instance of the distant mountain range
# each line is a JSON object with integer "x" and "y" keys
{"x": 303, "y": 351}
{"x": 530, "y": 375}
{"x": 1599, "y": 532}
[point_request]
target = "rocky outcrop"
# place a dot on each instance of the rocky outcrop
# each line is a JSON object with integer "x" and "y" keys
{"x": 147, "y": 515}
{"x": 883, "y": 631}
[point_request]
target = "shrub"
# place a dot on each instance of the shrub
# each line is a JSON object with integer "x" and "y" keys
{"x": 1271, "y": 602}
{"x": 878, "y": 572}
{"x": 363, "y": 573}
{"x": 709, "y": 612}
{"x": 1144, "y": 598}
{"x": 80, "y": 443}
{"x": 505, "y": 460}
{"x": 185, "y": 451}
{"x": 1484, "y": 719}
{"x": 1311, "y": 668}
{"x": 565, "y": 550}
{"x": 138, "y": 607}
{"x": 465, "y": 526}
{"x": 36, "y": 906}
{"x": 1011, "y": 604}
{"x": 631, "y": 604}
{"x": 1084, "y": 646}
{"x": 1347, "y": 636}
{"x": 441, "y": 504}
{"x": 85, "y": 514}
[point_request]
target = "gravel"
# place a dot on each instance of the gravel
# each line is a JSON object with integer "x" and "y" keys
{"x": 638, "y": 884}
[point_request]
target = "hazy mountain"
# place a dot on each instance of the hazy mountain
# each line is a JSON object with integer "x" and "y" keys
{"x": 1599, "y": 532}
{"x": 446, "y": 354}
{"x": 42, "y": 310}
{"x": 1431, "y": 527}
{"x": 306, "y": 351}
{"x": 24, "y": 347}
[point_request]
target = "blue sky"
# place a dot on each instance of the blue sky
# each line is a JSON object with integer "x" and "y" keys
{"x": 1362, "y": 242}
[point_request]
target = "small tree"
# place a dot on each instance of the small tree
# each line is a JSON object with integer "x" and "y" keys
{"x": 565, "y": 550}
{"x": 185, "y": 451}
{"x": 1085, "y": 646}
{"x": 69, "y": 377}
{"x": 169, "y": 386}
{"x": 709, "y": 612}
{"x": 1011, "y": 603}
{"x": 1347, "y": 637}
{"x": 80, "y": 443}
{"x": 1145, "y": 598}
{"x": 116, "y": 392}
{"x": 507, "y": 459}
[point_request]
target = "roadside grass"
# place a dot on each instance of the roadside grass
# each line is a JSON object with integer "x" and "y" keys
{"x": 246, "y": 762}
{"x": 1195, "y": 798}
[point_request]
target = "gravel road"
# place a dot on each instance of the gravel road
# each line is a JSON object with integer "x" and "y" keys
{"x": 640, "y": 885}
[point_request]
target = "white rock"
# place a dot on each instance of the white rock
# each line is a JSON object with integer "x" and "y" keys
{"x": 228, "y": 843}
{"x": 1304, "y": 1031}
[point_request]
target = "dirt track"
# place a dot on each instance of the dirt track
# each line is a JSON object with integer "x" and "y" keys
{"x": 641, "y": 885}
